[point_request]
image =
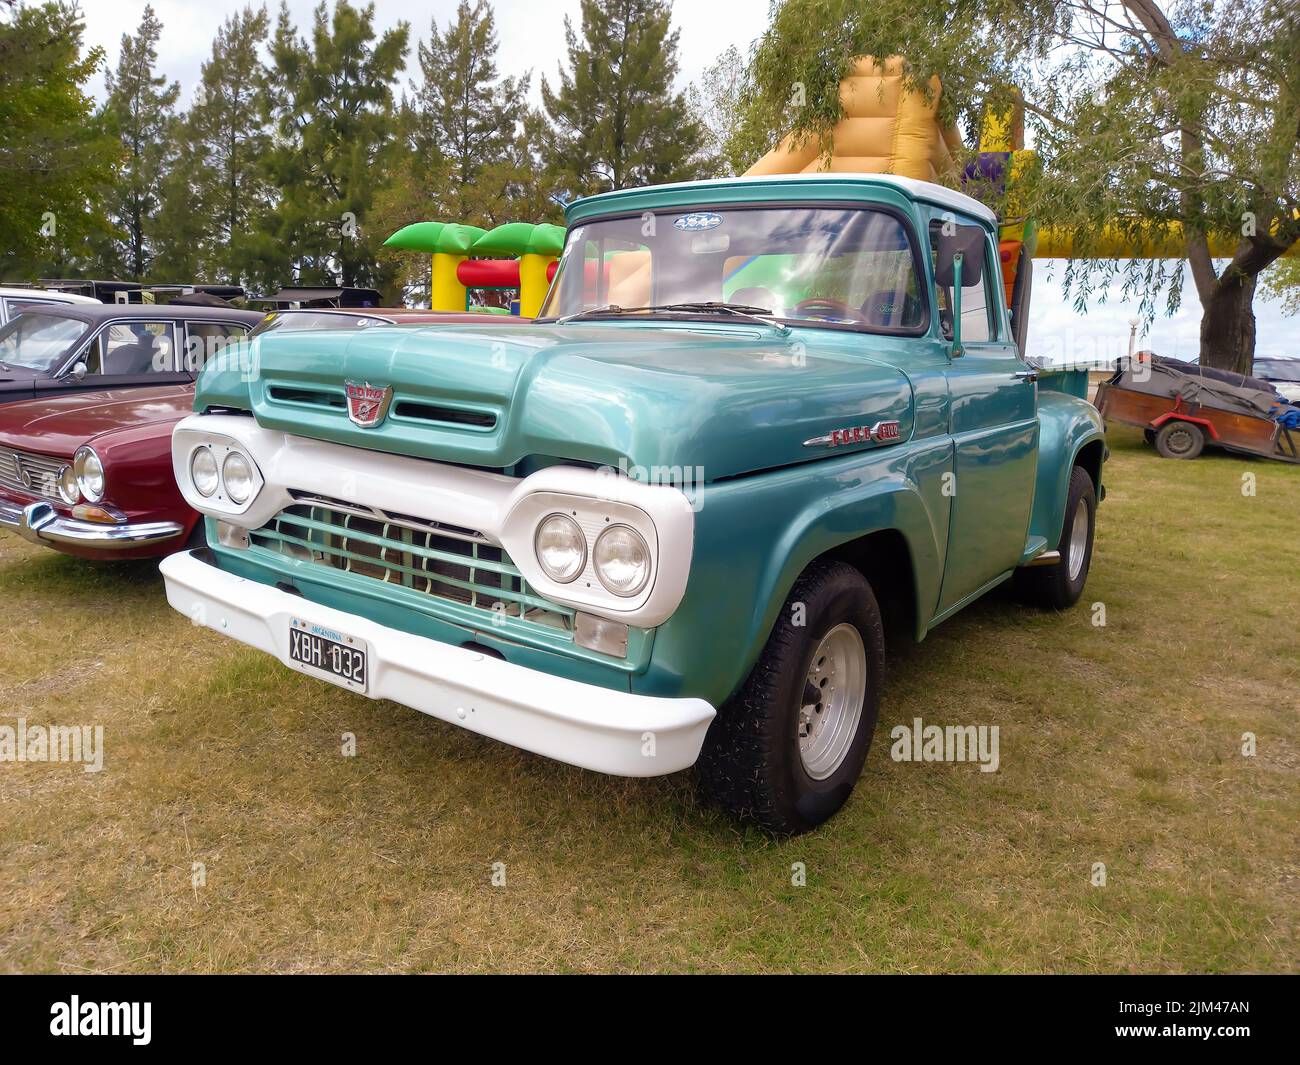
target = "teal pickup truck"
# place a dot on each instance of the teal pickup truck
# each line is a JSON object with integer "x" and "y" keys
{"x": 664, "y": 525}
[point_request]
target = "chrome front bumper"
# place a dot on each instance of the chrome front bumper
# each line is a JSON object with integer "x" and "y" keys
{"x": 42, "y": 524}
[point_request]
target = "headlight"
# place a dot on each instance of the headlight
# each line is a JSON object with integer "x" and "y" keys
{"x": 89, "y": 472}
{"x": 622, "y": 560}
{"x": 69, "y": 492}
{"x": 237, "y": 473}
{"x": 561, "y": 548}
{"x": 203, "y": 471}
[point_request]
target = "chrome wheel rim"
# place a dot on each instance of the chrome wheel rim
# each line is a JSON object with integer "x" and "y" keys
{"x": 832, "y": 700}
{"x": 1078, "y": 540}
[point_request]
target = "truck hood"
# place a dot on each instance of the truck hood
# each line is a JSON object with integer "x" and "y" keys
{"x": 721, "y": 400}
{"x": 61, "y": 424}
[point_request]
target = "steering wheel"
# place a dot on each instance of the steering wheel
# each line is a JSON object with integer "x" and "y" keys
{"x": 826, "y": 309}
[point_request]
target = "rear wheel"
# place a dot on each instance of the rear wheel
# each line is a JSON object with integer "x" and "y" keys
{"x": 787, "y": 749}
{"x": 1180, "y": 440}
{"x": 1059, "y": 586}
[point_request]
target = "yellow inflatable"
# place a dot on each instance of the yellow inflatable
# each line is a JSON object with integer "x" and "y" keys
{"x": 887, "y": 129}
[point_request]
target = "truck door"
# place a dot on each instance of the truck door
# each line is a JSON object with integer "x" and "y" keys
{"x": 993, "y": 420}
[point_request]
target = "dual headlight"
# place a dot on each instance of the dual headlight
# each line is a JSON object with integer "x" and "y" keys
{"x": 620, "y": 556}
{"x": 234, "y": 473}
{"x": 84, "y": 479}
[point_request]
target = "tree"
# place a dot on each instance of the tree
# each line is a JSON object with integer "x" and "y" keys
{"x": 469, "y": 114}
{"x": 54, "y": 155}
{"x": 331, "y": 99}
{"x": 218, "y": 185}
{"x": 618, "y": 120}
{"x": 717, "y": 101}
{"x": 1159, "y": 123}
{"x": 140, "y": 109}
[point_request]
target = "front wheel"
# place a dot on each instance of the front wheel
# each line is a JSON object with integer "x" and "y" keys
{"x": 787, "y": 749}
{"x": 1059, "y": 585}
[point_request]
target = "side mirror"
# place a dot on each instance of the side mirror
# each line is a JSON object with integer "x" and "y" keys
{"x": 958, "y": 261}
{"x": 78, "y": 371}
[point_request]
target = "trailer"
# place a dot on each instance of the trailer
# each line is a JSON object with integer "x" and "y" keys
{"x": 1182, "y": 408}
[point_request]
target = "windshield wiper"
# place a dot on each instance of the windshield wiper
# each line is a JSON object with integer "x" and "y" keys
{"x": 735, "y": 310}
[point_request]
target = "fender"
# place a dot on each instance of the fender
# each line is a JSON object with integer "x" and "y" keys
{"x": 1067, "y": 426}
{"x": 769, "y": 527}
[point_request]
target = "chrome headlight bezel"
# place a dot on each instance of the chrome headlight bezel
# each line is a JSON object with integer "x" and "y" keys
{"x": 88, "y": 468}
{"x": 67, "y": 487}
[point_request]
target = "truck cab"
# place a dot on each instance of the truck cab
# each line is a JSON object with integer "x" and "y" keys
{"x": 656, "y": 527}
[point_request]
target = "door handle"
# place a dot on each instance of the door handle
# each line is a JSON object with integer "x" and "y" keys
{"x": 1025, "y": 375}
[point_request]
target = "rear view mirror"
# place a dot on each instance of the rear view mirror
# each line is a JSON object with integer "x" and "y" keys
{"x": 966, "y": 241}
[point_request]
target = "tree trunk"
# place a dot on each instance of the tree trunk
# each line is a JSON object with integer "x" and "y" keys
{"x": 1228, "y": 325}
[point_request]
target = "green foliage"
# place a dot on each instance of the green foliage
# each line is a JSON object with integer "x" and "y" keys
{"x": 718, "y": 102}
{"x": 218, "y": 189}
{"x": 617, "y": 120}
{"x": 55, "y": 160}
{"x": 140, "y": 109}
{"x": 469, "y": 114}
{"x": 1141, "y": 119}
{"x": 1281, "y": 281}
{"x": 331, "y": 101}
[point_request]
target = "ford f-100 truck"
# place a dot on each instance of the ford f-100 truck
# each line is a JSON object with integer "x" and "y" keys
{"x": 659, "y": 527}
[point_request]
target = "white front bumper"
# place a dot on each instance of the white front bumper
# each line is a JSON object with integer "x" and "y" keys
{"x": 596, "y": 728}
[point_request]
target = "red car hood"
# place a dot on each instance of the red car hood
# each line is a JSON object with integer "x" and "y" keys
{"x": 60, "y": 425}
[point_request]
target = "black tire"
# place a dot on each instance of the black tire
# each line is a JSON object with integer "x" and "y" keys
{"x": 750, "y": 764}
{"x": 1052, "y": 587}
{"x": 1180, "y": 440}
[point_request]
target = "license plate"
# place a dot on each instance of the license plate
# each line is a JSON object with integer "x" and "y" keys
{"x": 328, "y": 654}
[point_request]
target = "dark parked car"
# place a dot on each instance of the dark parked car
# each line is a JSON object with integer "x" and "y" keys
{"x": 94, "y": 347}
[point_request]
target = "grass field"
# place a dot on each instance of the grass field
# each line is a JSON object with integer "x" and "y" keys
{"x": 1120, "y": 744}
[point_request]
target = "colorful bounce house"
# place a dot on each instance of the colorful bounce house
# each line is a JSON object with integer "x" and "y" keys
{"x": 516, "y": 256}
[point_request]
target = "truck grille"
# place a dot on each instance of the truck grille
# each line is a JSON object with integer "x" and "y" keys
{"x": 26, "y": 472}
{"x": 442, "y": 561}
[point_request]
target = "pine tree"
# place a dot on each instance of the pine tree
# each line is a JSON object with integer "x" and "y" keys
{"x": 140, "y": 108}
{"x": 55, "y": 158}
{"x": 218, "y": 185}
{"x": 618, "y": 120}
{"x": 470, "y": 114}
{"x": 331, "y": 99}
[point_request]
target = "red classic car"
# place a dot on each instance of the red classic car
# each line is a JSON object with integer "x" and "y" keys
{"x": 90, "y": 473}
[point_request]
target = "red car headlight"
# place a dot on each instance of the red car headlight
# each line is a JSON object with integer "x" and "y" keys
{"x": 89, "y": 472}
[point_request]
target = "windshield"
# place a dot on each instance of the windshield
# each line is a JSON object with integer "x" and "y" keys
{"x": 1278, "y": 370}
{"x": 297, "y": 321}
{"x": 846, "y": 266}
{"x": 39, "y": 341}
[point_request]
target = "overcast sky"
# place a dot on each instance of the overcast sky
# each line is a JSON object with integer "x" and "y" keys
{"x": 532, "y": 37}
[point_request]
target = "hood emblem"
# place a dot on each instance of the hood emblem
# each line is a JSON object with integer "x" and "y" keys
{"x": 367, "y": 404}
{"x": 880, "y": 433}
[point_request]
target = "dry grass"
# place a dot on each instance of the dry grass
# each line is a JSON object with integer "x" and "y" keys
{"x": 1119, "y": 745}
